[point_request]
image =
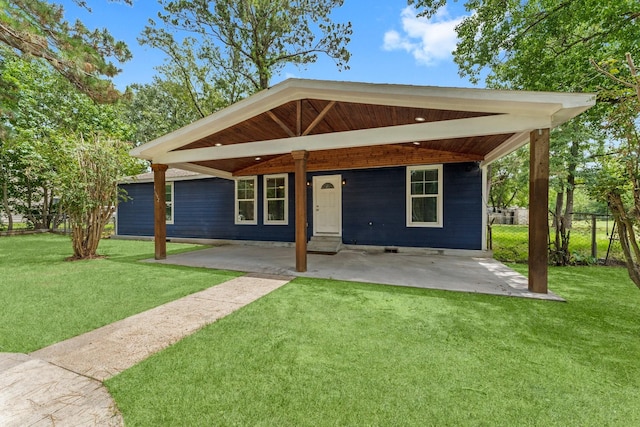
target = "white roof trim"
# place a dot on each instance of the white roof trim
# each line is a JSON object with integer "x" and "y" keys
{"x": 558, "y": 107}
{"x": 135, "y": 180}
{"x": 475, "y": 126}
{"x": 204, "y": 171}
{"x": 507, "y": 147}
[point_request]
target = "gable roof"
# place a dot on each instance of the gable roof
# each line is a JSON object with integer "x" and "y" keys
{"x": 354, "y": 125}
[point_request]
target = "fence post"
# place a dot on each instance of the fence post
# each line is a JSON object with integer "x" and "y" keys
{"x": 594, "y": 245}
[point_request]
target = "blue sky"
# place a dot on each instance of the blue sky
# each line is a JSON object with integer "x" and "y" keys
{"x": 389, "y": 43}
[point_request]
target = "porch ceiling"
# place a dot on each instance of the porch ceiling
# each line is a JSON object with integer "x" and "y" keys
{"x": 356, "y": 125}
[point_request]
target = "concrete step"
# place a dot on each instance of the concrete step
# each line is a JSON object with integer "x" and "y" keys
{"x": 325, "y": 244}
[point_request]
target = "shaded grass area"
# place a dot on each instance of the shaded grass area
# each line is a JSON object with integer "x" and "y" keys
{"x": 323, "y": 352}
{"x": 46, "y": 299}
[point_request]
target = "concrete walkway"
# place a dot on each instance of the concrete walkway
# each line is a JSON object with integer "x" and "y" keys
{"x": 61, "y": 385}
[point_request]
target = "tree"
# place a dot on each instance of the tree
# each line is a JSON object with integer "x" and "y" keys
{"x": 248, "y": 41}
{"x": 618, "y": 181}
{"x": 157, "y": 108}
{"x": 509, "y": 183}
{"x": 541, "y": 44}
{"x": 36, "y": 28}
{"x": 48, "y": 112}
{"x": 88, "y": 184}
{"x": 572, "y": 147}
{"x": 547, "y": 45}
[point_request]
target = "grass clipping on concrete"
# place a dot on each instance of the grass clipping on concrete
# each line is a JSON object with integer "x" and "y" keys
{"x": 321, "y": 352}
{"x": 46, "y": 299}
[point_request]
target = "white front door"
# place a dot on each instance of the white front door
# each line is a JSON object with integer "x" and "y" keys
{"x": 327, "y": 205}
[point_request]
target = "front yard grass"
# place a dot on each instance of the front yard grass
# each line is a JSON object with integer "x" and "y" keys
{"x": 323, "y": 352}
{"x": 46, "y": 299}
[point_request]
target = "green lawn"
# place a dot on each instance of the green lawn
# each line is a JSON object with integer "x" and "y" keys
{"x": 46, "y": 299}
{"x": 322, "y": 352}
{"x": 510, "y": 242}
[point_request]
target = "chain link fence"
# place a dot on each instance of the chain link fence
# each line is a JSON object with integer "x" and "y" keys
{"x": 593, "y": 238}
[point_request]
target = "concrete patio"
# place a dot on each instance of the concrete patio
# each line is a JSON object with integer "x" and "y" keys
{"x": 450, "y": 272}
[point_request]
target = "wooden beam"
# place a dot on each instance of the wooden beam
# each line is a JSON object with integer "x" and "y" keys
{"x": 538, "y": 211}
{"x": 159, "y": 210}
{"x": 280, "y": 123}
{"x": 298, "y": 117}
{"x": 433, "y": 131}
{"x": 318, "y": 119}
{"x": 360, "y": 158}
{"x": 300, "y": 158}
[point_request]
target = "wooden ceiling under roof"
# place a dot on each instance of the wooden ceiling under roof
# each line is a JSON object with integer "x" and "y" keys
{"x": 317, "y": 117}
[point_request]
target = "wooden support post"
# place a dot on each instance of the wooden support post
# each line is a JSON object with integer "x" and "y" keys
{"x": 538, "y": 211}
{"x": 159, "y": 210}
{"x": 300, "y": 158}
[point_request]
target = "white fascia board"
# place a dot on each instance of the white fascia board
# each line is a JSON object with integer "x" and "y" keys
{"x": 234, "y": 114}
{"x": 437, "y": 97}
{"x": 446, "y": 98}
{"x": 460, "y": 99}
{"x": 134, "y": 180}
{"x": 507, "y": 147}
{"x": 567, "y": 114}
{"x": 476, "y": 126}
{"x": 204, "y": 171}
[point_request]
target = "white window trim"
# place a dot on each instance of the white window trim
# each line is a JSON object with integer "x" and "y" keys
{"x": 237, "y": 221}
{"x": 265, "y": 209}
{"x": 172, "y": 203}
{"x": 440, "y": 196}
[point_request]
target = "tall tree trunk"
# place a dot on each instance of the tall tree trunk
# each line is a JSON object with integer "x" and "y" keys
{"x": 557, "y": 214}
{"x": 45, "y": 207}
{"x": 571, "y": 183}
{"x": 627, "y": 237}
{"x": 560, "y": 255}
{"x": 5, "y": 205}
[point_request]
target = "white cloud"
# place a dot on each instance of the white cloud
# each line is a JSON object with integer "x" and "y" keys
{"x": 428, "y": 40}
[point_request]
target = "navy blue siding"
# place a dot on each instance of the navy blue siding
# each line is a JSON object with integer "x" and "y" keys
{"x": 135, "y": 216}
{"x": 373, "y": 210}
{"x": 203, "y": 208}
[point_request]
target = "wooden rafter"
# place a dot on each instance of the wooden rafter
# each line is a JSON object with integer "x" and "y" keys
{"x": 280, "y": 123}
{"x": 319, "y": 118}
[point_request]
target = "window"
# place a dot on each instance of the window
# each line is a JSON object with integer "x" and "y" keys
{"x": 276, "y": 202}
{"x": 246, "y": 201}
{"x": 168, "y": 197}
{"x": 424, "y": 196}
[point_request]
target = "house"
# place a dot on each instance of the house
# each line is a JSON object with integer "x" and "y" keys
{"x": 367, "y": 164}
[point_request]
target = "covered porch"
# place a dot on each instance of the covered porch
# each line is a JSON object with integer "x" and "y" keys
{"x": 419, "y": 269}
{"x": 302, "y": 126}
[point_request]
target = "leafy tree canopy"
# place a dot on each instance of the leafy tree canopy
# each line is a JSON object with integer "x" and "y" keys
{"x": 542, "y": 44}
{"x": 37, "y": 28}
{"x": 248, "y": 41}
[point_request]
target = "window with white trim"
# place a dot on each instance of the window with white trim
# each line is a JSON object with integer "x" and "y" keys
{"x": 168, "y": 197}
{"x": 245, "y": 211}
{"x": 424, "y": 196}
{"x": 276, "y": 201}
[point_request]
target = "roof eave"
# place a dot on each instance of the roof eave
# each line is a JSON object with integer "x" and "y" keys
{"x": 561, "y": 106}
